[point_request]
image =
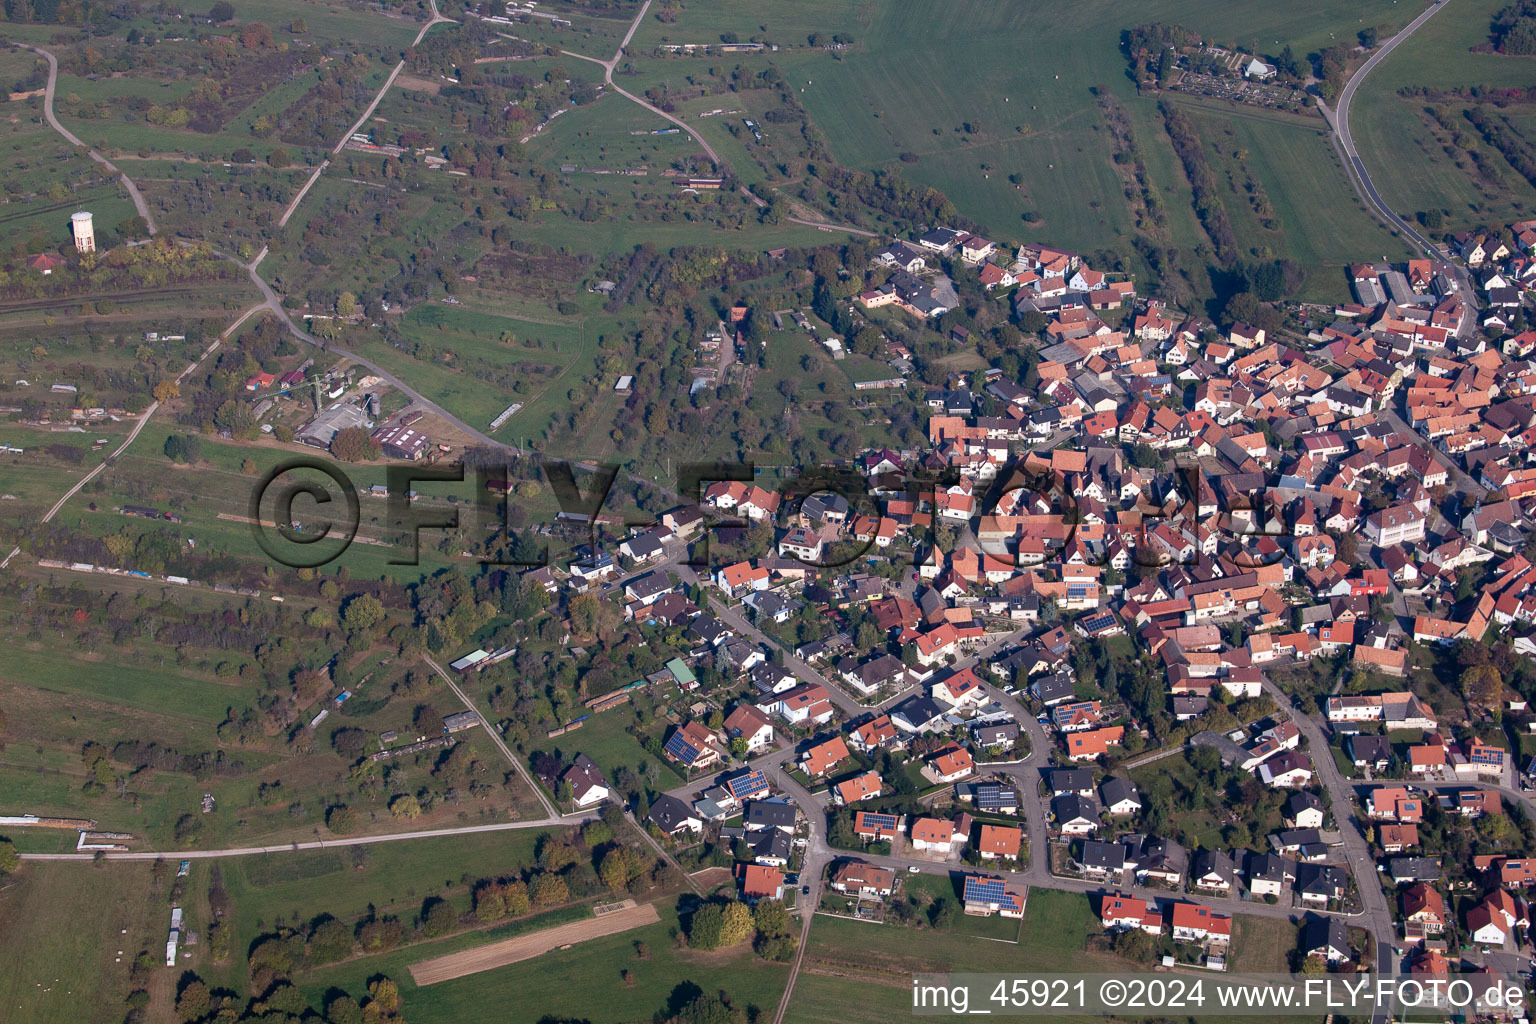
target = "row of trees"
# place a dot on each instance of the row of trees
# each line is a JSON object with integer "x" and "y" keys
{"x": 1190, "y": 147}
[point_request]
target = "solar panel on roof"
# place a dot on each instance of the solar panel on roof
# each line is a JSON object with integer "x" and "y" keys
{"x": 680, "y": 748}
{"x": 881, "y": 821}
{"x": 984, "y": 890}
{"x": 751, "y": 782}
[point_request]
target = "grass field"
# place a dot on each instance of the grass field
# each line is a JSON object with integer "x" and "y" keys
{"x": 600, "y": 135}
{"x": 587, "y": 34}
{"x": 395, "y": 879}
{"x": 34, "y": 158}
{"x": 1319, "y": 220}
{"x": 878, "y": 961}
{"x": 603, "y": 739}
{"x": 582, "y": 983}
{"x": 881, "y": 959}
{"x": 61, "y": 926}
{"x": 1020, "y": 78}
{"x": 784, "y": 22}
{"x": 1262, "y": 945}
{"x": 330, "y": 21}
{"x": 1408, "y": 165}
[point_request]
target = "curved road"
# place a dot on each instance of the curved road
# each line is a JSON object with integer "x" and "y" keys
{"x": 612, "y": 62}
{"x": 608, "y": 66}
{"x": 53, "y": 78}
{"x": 274, "y": 304}
{"x": 1360, "y": 178}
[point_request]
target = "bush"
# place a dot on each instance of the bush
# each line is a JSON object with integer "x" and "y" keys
{"x": 341, "y": 819}
{"x": 188, "y": 828}
{"x": 439, "y": 918}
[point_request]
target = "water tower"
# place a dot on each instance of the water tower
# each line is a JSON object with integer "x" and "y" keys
{"x": 85, "y": 233}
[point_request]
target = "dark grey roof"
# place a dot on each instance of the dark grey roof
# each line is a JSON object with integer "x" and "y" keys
{"x": 1071, "y": 780}
{"x": 1325, "y": 934}
{"x": 649, "y": 585}
{"x": 1071, "y": 807}
{"x": 1109, "y": 856}
{"x": 769, "y": 814}
{"x": 918, "y": 711}
{"x": 1053, "y": 687}
{"x": 995, "y": 733}
{"x": 1214, "y": 862}
{"x": 708, "y": 629}
{"x": 1269, "y": 867}
{"x": 1370, "y": 749}
{"x": 1155, "y": 853}
{"x": 769, "y": 843}
{"x": 669, "y": 813}
{"x": 1302, "y": 801}
{"x": 1115, "y": 789}
{"x": 1321, "y": 879}
{"x": 1414, "y": 869}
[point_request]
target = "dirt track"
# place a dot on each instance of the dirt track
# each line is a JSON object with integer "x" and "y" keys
{"x": 526, "y": 947}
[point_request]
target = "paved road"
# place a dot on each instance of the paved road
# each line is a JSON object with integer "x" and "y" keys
{"x": 1463, "y": 483}
{"x": 1346, "y": 140}
{"x": 53, "y": 76}
{"x": 1360, "y": 178}
{"x": 437, "y": 19}
{"x": 317, "y": 844}
{"x": 1377, "y": 913}
{"x": 812, "y": 871}
{"x": 274, "y": 304}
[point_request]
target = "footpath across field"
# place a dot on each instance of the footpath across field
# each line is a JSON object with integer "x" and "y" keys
{"x": 526, "y": 947}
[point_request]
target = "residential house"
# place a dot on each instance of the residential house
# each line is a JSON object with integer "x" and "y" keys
{"x": 1195, "y": 922}
{"x": 1320, "y": 884}
{"x": 1423, "y": 912}
{"x": 761, "y": 882}
{"x": 985, "y": 896}
{"x": 864, "y": 786}
{"x": 588, "y": 786}
{"x": 874, "y": 827}
{"x": 823, "y": 757}
{"x": 1269, "y": 874}
{"x": 937, "y": 835}
{"x": 1492, "y": 921}
{"x": 689, "y": 745}
{"x": 1120, "y": 796}
{"x": 1122, "y": 913}
{"x": 951, "y": 764}
{"x": 1213, "y": 871}
{"x": 673, "y": 816}
{"x": 999, "y": 842}
{"x": 1074, "y": 815}
{"x": 860, "y": 878}
{"x": 1101, "y": 860}
{"x": 1327, "y": 939}
{"x": 750, "y": 724}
